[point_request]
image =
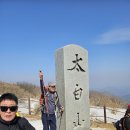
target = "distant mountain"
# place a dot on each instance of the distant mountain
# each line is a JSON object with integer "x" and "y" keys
{"x": 121, "y": 92}
{"x": 126, "y": 97}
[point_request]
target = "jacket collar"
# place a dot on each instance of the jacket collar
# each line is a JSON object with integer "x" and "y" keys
{"x": 9, "y": 123}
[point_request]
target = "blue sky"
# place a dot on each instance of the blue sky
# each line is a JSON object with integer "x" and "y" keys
{"x": 32, "y": 30}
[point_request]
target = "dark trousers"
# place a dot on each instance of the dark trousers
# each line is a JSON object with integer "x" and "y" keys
{"x": 48, "y": 121}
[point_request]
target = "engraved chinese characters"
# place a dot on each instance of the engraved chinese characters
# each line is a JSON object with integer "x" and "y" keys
{"x": 77, "y": 66}
{"x": 73, "y": 87}
{"x": 77, "y": 92}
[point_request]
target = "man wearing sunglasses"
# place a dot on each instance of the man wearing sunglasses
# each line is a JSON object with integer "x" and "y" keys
{"x": 48, "y": 110}
{"x": 8, "y": 118}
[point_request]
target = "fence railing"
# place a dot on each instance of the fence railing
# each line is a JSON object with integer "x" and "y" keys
{"x": 27, "y": 105}
{"x": 106, "y": 114}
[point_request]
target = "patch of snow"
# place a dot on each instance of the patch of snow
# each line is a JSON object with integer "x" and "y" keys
{"x": 96, "y": 113}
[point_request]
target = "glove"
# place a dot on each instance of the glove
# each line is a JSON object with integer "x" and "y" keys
{"x": 42, "y": 100}
{"x": 61, "y": 109}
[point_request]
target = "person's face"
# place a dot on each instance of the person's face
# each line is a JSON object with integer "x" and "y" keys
{"x": 52, "y": 88}
{"x": 9, "y": 114}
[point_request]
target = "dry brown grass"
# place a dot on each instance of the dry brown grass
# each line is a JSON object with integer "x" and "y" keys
{"x": 109, "y": 126}
{"x": 32, "y": 116}
{"x": 94, "y": 124}
{"x": 20, "y": 92}
{"x": 103, "y": 99}
{"x": 28, "y": 90}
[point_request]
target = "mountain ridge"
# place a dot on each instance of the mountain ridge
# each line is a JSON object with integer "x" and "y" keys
{"x": 97, "y": 98}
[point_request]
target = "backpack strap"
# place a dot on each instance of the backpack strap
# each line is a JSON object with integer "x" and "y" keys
{"x": 124, "y": 128}
{"x": 56, "y": 98}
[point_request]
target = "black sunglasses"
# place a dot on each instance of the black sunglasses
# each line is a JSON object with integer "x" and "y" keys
{"x": 5, "y": 108}
{"x": 52, "y": 86}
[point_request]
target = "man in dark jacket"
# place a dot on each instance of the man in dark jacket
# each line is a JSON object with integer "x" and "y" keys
{"x": 8, "y": 118}
{"x": 119, "y": 124}
{"x": 126, "y": 122}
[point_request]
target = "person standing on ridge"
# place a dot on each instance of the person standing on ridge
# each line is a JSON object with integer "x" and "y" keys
{"x": 48, "y": 110}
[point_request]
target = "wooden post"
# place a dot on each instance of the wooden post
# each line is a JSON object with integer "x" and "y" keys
{"x": 105, "y": 119}
{"x": 29, "y": 106}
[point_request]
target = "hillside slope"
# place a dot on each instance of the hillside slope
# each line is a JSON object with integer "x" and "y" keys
{"x": 23, "y": 90}
{"x": 20, "y": 91}
{"x": 103, "y": 99}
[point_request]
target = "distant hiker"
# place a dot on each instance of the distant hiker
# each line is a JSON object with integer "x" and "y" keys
{"x": 8, "y": 118}
{"x": 48, "y": 111}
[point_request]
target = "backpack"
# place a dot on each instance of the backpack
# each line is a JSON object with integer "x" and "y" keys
{"x": 119, "y": 124}
{"x": 124, "y": 121}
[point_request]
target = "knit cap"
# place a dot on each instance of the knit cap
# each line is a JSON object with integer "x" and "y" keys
{"x": 128, "y": 106}
{"x": 51, "y": 84}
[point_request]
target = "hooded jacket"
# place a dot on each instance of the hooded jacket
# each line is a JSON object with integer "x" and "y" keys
{"x": 19, "y": 123}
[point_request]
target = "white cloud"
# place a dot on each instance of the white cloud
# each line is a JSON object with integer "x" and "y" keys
{"x": 121, "y": 35}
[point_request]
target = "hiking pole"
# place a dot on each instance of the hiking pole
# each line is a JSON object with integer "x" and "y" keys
{"x": 41, "y": 82}
{"x": 60, "y": 119}
{"x": 61, "y": 112}
{"x": 42, "y": 88}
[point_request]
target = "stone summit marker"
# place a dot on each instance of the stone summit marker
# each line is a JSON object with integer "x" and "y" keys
{"x": 73, "y": 87}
